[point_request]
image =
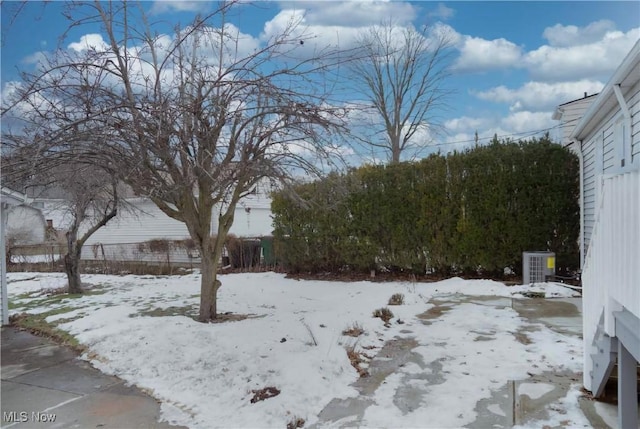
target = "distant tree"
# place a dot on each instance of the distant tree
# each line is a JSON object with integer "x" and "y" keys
{"x": 91, "y": 199}
{"x": 191, "y": 120}
{"x": 401, "y": 72}
{"x": 89, "y": 194}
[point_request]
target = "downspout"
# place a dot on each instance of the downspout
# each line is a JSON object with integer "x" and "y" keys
{"x": 581, "y": 164}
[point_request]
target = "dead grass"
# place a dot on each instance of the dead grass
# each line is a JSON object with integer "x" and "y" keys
{"x": 356, "y": 361}
{"x": 295, "y": 423}
{"x": 354, "y": 330}
{"x": 233, "y": 317}
{"x": 264, "y": 393}
{"x": 396, "y": 299}
{"x": 383, "y": 313}
{"x": 37, "y": 325}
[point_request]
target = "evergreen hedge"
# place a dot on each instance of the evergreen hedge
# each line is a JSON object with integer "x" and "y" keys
{"x": 473, "y": 212}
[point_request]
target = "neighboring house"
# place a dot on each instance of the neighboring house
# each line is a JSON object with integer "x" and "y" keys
{"x": 144, "y": 221}
{"x": 570, "y": 113}
{"x": 25, "y": 225}
{"x": 607, "y": 140}
{"x": 8, "y": 199}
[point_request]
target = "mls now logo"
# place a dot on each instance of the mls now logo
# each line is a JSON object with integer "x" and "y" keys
{"x": 23, "y": 416}
{"x": 15, "y": 416}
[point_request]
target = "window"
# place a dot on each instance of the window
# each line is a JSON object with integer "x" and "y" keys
{"x": 622, "y": 141}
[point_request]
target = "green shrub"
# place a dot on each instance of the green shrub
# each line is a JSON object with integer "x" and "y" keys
{"x": 472, "y": 212}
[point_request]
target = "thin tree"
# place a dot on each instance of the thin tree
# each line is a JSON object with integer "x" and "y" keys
{"x": 89, "y": 194}
{"x": 401, "y": 73}
{"x": 195, "y": 120}
{"x": 52, "y": 143}
{"x": 91, "y": 197}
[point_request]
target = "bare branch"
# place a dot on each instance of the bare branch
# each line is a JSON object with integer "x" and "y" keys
{"x": 401, "y": 74}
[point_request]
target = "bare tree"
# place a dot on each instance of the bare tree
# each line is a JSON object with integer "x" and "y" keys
{"x": 401, "y": 72}
{"x": 91, "y": 199}
{"x": 89, "y": 194}
{"x": 52, "y": 139}
{"x": 194, "y": 120}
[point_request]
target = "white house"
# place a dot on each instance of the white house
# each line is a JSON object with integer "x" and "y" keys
{"x": 570, "y": 113}
{"x": 25, "y": 225}
{"x": 8, "y": 199}
{"x": 145, "y": 221}
{"x": 607, "y": 140}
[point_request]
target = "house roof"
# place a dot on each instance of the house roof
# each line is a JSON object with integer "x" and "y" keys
{"x": 11, "y": 197}
{"x": 557, "y": 114}
{"x": 579, "y": 99}
{"x": 627, "y": 75}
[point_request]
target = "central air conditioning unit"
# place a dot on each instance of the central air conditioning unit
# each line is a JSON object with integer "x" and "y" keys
{"x": 537, "y": 267}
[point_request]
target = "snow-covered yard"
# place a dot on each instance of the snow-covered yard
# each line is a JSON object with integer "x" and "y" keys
{"x": 137, "y": 327}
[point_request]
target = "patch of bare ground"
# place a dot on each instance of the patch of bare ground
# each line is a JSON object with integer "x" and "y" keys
{"x": 234, "y": 317}
{"x": 264, "y": 393}
{"x": 434, "y": 312}
{"x": 295, "y": 423}
{"x": 356, "y": 361}
{"x": 522, "y": 338}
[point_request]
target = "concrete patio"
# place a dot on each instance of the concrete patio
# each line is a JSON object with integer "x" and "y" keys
{"x": 518, "y": 403}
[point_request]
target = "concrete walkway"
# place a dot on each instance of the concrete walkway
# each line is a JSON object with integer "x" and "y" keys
{"x": 44, "y": 385}
{"x": 511, "y": 405}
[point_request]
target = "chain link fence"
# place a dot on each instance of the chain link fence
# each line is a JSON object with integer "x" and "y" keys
{"x": 149, "y": 257}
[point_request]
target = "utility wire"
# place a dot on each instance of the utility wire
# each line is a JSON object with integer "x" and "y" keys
{"x": 526, "y": 134}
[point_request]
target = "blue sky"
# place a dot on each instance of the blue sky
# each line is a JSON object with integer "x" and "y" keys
{"x": 514, "y": 61}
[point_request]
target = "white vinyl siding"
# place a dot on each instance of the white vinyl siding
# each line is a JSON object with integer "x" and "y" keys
{"x": 147, "y": 222}
{"x": 610, "y": 158}
{"x": 606, "y": 160}
{"x": 634, "y": 107}
{"x": 571, "y": 114}
{"x": 593, "y": 164}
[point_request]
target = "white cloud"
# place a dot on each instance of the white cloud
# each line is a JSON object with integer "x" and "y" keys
{"x": 316, "y": 37}
{"x": 590, "y": 52}
{"x": 283, "y": 21}
{"x": 465, "y": 124}
{"x": 35, "y": 58}
{"x": 540, "y": 95}
{"x": 591, "y": 60}
{"x": 442, "y": 12}
{"x": 515, "y": 126}
{"x": 165, "y": 6}
{"x": 525, "y": 121}
{"x": 353, "y": 13}
{"x": 92, "y": 41}
{"x": 477, "y": 54}
{"x": 570, "y": 35}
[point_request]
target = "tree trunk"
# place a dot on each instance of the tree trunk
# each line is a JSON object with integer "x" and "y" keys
{"x": 72, "y": 263}
{"x": 396, "y": 151}
{"x": 209, "y": 286}
{"x": 207, "y": 297}
{"x": 210, "y": 259}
